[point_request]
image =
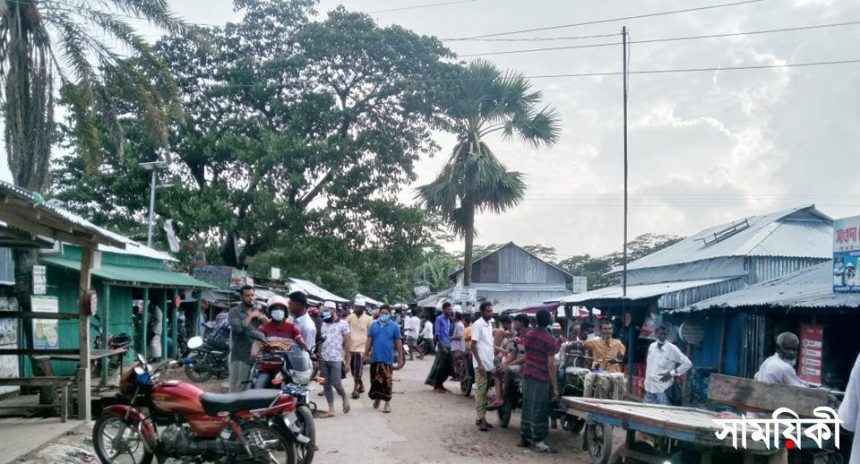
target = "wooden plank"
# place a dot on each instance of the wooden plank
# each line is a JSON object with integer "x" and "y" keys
{"x": 84, "y": 380}
{"x": 37, "y": 315}
{"x": 750, "y": 395}
{"x": 36, "y": 381}
{"x": 35, "y": 352}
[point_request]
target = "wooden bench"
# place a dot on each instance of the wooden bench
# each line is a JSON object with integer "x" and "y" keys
{"x": 63, "y": 383}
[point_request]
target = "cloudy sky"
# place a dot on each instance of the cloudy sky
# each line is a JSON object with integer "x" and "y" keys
{"x": 704, "y": 147}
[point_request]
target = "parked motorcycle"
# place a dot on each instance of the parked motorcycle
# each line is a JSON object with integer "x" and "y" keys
{"x": 113, "y": 342}
{"x": 173, "y": 419}
{"x": 202, "y": 361}
{"x": 294, "y": 377}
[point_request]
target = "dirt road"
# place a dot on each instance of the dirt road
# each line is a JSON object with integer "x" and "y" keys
{"x": 424, "y": 427}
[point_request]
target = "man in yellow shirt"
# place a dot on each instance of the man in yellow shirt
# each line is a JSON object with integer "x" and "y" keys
{"x": 607, "y": 355}
{"x": 358, "y": 323}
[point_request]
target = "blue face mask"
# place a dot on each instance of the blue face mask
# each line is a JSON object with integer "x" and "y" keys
{"x": 326, "y": 315}
{"x": 384, "y": 317}
{"x": 549, "y": 327}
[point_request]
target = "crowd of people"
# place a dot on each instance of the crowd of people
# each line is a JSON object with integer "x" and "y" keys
{"x": 495, "y": 350}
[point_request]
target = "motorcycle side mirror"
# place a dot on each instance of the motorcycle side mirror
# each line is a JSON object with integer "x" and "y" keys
{"x": 139, "y": 370}
{"x": 195, "y": 342}
{"x": 141, "y": 359}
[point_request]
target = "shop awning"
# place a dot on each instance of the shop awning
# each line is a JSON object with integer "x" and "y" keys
{"x": 133, "y": 276}
{"x": 634, "y": 292}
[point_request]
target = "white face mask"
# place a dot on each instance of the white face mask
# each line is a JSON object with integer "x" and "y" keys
{"x": 278, "y": 315}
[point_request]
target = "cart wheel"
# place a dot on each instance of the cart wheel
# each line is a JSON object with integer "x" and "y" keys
{"x": 574, "y": 424}
{"x": 598, "y": 440}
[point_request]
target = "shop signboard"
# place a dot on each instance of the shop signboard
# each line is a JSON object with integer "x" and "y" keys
{"x": 45, "y": 335}
{"x": 810, "y": 357}
{"x": 846, "y": 251}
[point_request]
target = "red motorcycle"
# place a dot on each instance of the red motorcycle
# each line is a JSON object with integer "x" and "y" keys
{"x": 173, "y": 419}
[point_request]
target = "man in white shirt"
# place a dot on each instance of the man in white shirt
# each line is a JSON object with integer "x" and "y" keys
{"x": 665, "y": 362}
{"x": 298, "y": 307}
{"x": 484, "y": 359}
{"x": 427, "y": 336}
{"x": 849, "y": 409}
{"x": 779, "y": 368}
{"x": 412, "y": 327}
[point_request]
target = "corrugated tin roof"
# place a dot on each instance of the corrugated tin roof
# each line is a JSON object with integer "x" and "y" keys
{"x": 7, "y": 267}
{"x": 512, "y": 244}
{"x": 131, "y": 247}
{"x": 503, "y": 296}
{"x": 136, "y": 276}
{"x": 635, "y": 292}
{"x": 367, "y": 299}
{"x": 25, "y": 203}
{"x": 808, "y": 288}
{"x": 798, "y": 232}
{"x": 313, "y": 290}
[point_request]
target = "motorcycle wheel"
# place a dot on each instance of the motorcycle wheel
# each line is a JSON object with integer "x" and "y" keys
{"x": 506, "y": 410}
{"x": 305, "y": 421}
{"x": 116, "y": 442}
{"x": 199, "y": 371}
{"x": 261, "y": 439}
{"x": 466, "y": 385}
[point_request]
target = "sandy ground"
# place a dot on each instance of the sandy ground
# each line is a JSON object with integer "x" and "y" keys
{"x": 424, "y": 427}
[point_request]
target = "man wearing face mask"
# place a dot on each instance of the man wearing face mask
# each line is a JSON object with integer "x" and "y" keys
{"x": 280, "y": 335}
{"x": 383, "y": 346}
{"x": 358, "y": 323}
{"x": 665, "y": 362}
{"x": 780, "y": 369}
{"x": 244, "y": 318}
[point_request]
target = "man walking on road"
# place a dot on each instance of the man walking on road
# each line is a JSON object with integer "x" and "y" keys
{"x": 244, "y": 318}
{"x": 441, "y": 369}
{"x": 335, "y": 346}
{"x": 383, "y": 346}
{"x": 665, "y": 362}
{"x": 358, "y": 323}
{"x": 412, "y": 327}
{"x": 483, "y": 356}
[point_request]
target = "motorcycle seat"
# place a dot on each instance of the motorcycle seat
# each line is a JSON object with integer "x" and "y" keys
{"x": 214, "y": 403}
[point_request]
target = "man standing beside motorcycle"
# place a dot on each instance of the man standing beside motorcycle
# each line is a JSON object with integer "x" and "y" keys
{"x": 280, "y": 335}
{"x": 298, "y": 307}
{"x": 244, "y": 318}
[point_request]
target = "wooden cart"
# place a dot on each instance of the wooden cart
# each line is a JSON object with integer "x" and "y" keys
{"x": 688, "y": 435}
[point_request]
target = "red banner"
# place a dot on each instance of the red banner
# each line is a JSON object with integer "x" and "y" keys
{"x": 811, "y": 356}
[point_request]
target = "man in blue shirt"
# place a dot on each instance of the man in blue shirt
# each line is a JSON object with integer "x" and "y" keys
{"x": 443, "y": 365}
{"x": 382, "y": 347}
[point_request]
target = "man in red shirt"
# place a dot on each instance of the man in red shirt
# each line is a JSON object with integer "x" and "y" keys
{"x": 280, "y": 335}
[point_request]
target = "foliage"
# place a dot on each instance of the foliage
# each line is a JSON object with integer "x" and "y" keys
{"x": 599, "y": 269}
{"x": 41, "y": 41}
{"x": 297, "y": 136}
{"x": 482, "y": 101}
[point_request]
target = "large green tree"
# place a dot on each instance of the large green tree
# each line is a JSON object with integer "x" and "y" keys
{"x": 296, "y": 138}
{"x": 483, "y": 101}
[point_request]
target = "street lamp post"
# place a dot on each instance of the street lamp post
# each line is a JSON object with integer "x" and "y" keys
{"x": 153, "y": 166}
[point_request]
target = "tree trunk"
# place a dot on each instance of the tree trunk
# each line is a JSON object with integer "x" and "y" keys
{"x": 470, "y": 238}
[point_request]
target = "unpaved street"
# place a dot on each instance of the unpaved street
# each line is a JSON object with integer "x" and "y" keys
{"x": 424, "y": 427}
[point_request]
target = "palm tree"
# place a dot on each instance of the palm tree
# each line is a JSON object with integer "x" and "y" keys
{"x": 484, "y": 101}
{"x": 82, "y": 43}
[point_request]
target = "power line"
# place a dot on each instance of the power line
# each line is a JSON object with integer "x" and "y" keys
{"x": 426, "y": 5}
{"x": 537, "y": 39}
{"x": 603, "y": 21}
{"x": 665, "y": 39}
{"x": 614, "y": 73}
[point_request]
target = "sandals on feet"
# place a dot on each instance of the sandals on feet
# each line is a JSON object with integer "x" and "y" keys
{"x": 387, "y": 408}
{"x": 544, "y": 449}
